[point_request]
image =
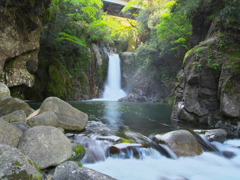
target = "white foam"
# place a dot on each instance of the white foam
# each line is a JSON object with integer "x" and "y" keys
{"x": 207, "y": 166}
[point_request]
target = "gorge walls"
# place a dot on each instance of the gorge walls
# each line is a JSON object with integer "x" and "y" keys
{"x": 207, "y": 91}
{"x": 20, "y": 26}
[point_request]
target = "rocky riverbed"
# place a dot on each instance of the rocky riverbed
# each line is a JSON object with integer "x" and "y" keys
{"x": 33, "y": 144}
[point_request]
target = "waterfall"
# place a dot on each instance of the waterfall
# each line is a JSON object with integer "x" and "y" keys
{"x": 113, "y": 90}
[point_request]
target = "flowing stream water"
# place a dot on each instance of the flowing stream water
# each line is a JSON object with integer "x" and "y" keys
{"x": 134, "y": 119}
{"x": 137, "y": 121}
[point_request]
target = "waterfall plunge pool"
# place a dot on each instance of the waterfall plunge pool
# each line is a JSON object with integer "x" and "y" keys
{"x": 110, "y": 118}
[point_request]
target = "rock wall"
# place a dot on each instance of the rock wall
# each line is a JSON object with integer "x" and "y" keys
{"x": 20, "y": 25}
{"x": 55, "y": 78}
{"x": 207, "y": 91}
{"x": 147, "y": 83}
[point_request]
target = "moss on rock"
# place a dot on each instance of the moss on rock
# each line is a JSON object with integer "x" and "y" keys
{"x": 80, "y": 152}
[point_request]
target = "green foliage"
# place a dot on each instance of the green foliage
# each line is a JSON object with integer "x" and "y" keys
{"x": 99, "y": 31}
{"x": 120, "y": 28}
{"x": 84, "y": 82}
{"x": 214, "y": 66}
{"x": 200, "y": 66}
{"x": 56, "y": 86}
{"x": 68, "y": 37}
{"x": 199, "y": 49}
{"x": 173, "y": 28}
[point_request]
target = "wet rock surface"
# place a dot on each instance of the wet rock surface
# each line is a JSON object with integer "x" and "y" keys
{"x": 88, "y": 174}
{"x": 181, "y": 142}
{"x": 219, "y": 135}
{"x": 126, "y": 150}
{"x": 70, "y": 170}
{"x": 95, "y": 151}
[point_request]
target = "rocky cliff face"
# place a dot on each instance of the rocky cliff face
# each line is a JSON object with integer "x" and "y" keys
{"x": 148, "y": 82}
{"x": 208, "y": 90}
{"x": 33, "y": 75}
{"x": 20, "y": 25}
{"x": 71, "y": 81}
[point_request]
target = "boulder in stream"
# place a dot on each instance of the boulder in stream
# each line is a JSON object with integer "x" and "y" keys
{"x": 16, "y": 165}
{"x": 127, "y": 149}
{"x": 181, "y": 142}
{"x": 46, "y": 146}
{"x": 219, "y": 135}
{"x": 71, "y": 171}
{"x": 63, "y": 171}
{"x": 69, "y": 117}
{"x": 84, "y": 173}
{"x": 9, "y": 134}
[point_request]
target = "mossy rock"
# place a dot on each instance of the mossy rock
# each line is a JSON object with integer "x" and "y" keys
{"x": 16, "y": 165}
{"x": 84, "y": 82}
{"x": 123, "y": 140}
{"x": 56, "y": 87}
{"x": 80, "y": 152}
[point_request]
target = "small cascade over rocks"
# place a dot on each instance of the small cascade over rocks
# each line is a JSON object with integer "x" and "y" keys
{"x": 148, "y": 163}
{"x": 113, "y": 90}
{"x": 99, "y": 148}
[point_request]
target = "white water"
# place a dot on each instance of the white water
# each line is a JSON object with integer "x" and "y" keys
{"x": 113, "y": 91}
{"x": 207, "y": 166}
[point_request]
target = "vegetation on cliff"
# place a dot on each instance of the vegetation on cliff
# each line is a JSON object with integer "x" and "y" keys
{"x": 163, "y": 32}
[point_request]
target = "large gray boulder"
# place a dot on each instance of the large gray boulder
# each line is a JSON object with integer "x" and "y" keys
{"x": 46, "y": 146}
{"x": 16, "y": 165}
{"x": 21, "y": 125}
{"x": 181, "y": 142}
{"x": 84, "y": 173}
{"x": 69, "y": 117}
{"x": 16, "y": 116}
{"x": 71, "y": 171}
{"x": 45, "y": 119}
{"x": 4, "y": 91}
{"x": 219, "y": 135}
{"x": 63, "y": 171}
{"x": 9, "y": 134}
{"x": 9, "y": 105}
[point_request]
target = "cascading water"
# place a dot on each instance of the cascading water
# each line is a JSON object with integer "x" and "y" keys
{"x": 113, "y": 90}
{"x": 154, "y": 166}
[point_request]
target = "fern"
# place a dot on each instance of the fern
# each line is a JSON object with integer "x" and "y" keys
{"x": 74, "y": 39}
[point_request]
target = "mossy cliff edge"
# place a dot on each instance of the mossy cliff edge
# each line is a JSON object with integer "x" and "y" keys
{"x": 207, "y": 91}
{"x": 20, "y": 24}
{"x": 35, "y": 72}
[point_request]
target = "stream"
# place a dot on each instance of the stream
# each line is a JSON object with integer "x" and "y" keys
{"x": 134, "y": 120}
